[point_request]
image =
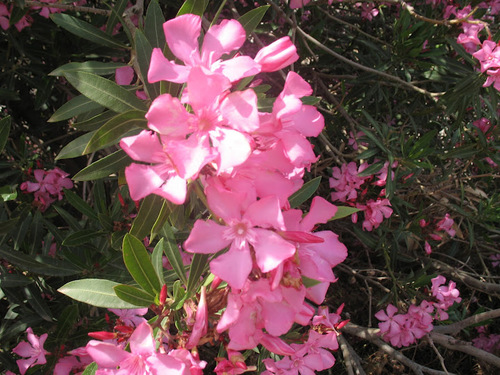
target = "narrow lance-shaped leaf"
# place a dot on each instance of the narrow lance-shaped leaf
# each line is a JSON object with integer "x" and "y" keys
{"x": 157, "y": 260}
{"x": 95, "y": 292}
{"x": 199, "y": 265}
{"x": 194, "y": 7}
{"x": 343, "y": 211}
{"x": 172, "y": 252}
{"x": 4, "y": 131}
{"x": 85, "y": 30}
{"x": 134, "y": 296}
{"x": 90, "y": 369}
{"x": 143, "y": 52}
{"x": 146, "y": 218}
{"x": 251, "y": 19}
{"x": 113, "y": 18}
{"x": 305, "y": 192}
{"x": 153, "y": 25}
{"x": 104, "y": 167}
{"x": 96, "y": 67}
{"x": 138, "y": 263}
{"x": 79, "y": 204}
{"x": 105, "y": 92}
{"x": 122, "y": 125}
{"x": 76, "y": 106}
{"x": 75, "y": 148}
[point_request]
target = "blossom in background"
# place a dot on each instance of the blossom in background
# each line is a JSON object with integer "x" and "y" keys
{"x": 33, "y": 352}
{"x": 48, "y": 186}
{"x": 495, "y": 260}
{"x": 446, "y": 224}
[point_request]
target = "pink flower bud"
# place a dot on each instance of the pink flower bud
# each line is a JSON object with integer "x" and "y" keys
{"x": 277, "y": 55}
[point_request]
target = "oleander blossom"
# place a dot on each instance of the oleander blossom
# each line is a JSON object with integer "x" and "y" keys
{"x": 32, "y": 351}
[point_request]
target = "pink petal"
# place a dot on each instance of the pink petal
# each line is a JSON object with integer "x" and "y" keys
{"x": 265, "y": 213}
{"x": 233, "y": 147}
{"x": 165, "y": 364}
{"x": 233, "y": 266}
{"x": 271, "y": 249}
{"x": 174, "y": 189}
{"x": 224, "y": 203}
{"x": 124, "y": 75}
{"x": 278, "y": 318}
{"x": 206, "y": 237}
{"x": 277, "y": 55}
{"x": 321, "y": 211}
{"x": 190, "y": 155}
{"x": 204, "y": 87}
{"x": 142, "y": 180}
{"x": 307, "y": 121}
{"x": 236, "y": 68}
{"x": 240, "y": 109}
{"x": 142, "y": 342}
{"x": 105, "y": 354}
{"x": 332, "y": 250}
{"x": 182, "y": 35}
{"x": 221, "y": 39}
{"x": 168, "y": 116}
{"x": 161, "y": 69}
{"x": 144, "y": 146}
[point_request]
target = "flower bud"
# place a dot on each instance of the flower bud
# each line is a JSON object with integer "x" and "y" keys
{"x": 103, "y": 335}
{"x": 277, "y": 55}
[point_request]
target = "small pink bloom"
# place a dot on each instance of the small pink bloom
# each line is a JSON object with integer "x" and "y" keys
{"x": 32, "y": 351}
{"x": 277, "y": 55}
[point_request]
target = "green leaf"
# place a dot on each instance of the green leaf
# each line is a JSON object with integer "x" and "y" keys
{"x": 95, "y": 292}
{"x": 305, "y": 192}
{"x": 153, "y": 25}
{"x": 7, "y": 225}
{"x": 81, "y": 237}
{"x": 113, "y": 19}
{"x": 252, "y": 19}
{"x": 96, "y": 67}
{"x": 310, "y": 100}
{"x": 8, "y": 193}
{"x": 39, "y": 264}
{"x": 174, "y": 257}
{"x": 372, "y": 169}
{"x": 343, "y": 211}
{"x": 157, "y": 260}
{"x": 80, "y": 204}
{"x": 143, "y": 52}
{"x": 423, "y": 146}
{"x": 76, "y": 106}
{"x": 138, "y": 263}
{"x": 122, "y": 125}
{"x": 66, "y": 322}
{"x": 199, "y": 265}
{"x": 12, "y": 280}
{"x": 90, "y": 369}
{"x": 105, "y": 92}
{"x": 194, "y": 7}
{"x": 94, "y": 122}
{"x": 85, "y": 30}
{"x": 36, "y": 301}
{"x": 4, "y": 131}
{"x": 104, "y": 167}
{"x": 161, "y": 219}
{"x": 146, "y": 218}
{"x": 134, "y": 296}
{"x": 308, "y": 283}
{"x": 76, "y": 147}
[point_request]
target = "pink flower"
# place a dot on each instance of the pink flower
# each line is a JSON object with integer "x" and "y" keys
{"x": 277, "y": 55}
{"x": 246, "y": 225}
{"x": 488, "y": 55}
{"x": 130, "y": 317}
{"x": 142, "y": 358}
{"x": 32, "y": 351}
{"x": 182, "y": 35}
{"x": 446, "y": 225}
{"x": 375, "y": 212}
{"x": 201, "y": 323}
{"x": 446, "y": 296}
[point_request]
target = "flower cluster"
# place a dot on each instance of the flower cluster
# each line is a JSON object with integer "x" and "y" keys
{"x": 249, "y": 163}
{"x": 48, "y": 186}
{"x": 486, "y": 51}
{"x": 405, "y": 329}
{"x": 351, "y": 187}
{"x": 435, "y": 231}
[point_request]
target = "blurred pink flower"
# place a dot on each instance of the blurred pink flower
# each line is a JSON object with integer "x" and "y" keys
{"x": 32, "y": 351}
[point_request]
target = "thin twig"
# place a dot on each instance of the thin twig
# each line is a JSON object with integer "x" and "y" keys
{"x": 465, "y": 347}
{"x": 351, "y": 358}
{"x": 69, "y": 7}
{"x": 371, "y": 334}
{"x": 440, "y": 357}
{"x": 474, "y": 319}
